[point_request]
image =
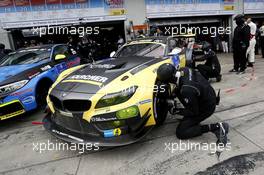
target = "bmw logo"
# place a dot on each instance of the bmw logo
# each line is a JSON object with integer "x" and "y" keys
{"x": 63, "y": 95}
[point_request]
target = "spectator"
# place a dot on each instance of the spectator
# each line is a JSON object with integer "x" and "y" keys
{"x": 120, "y": 41}
{"x": 257, "y": 40}
{"x": 252, "y": 42}
{"x": 2, "y": 51}
{"x": 141, "y": 34}
{"x": 224, "y": 40}
{"x": 262, "y": 39}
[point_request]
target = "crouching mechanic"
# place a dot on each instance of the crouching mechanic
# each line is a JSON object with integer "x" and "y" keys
{"x": 211, "y": 68}
{"x": 199, "y": 100}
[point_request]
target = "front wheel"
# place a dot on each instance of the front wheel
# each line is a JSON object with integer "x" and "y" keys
{"x": 160, "y": 104}
{"x": 160, "y": 110}
{"x": 41, "y": 94}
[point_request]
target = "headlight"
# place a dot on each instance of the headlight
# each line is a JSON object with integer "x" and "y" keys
{"x": 127, "y": 113}
{"x": 116, "y": 98}
{"x": 6, "y": 89}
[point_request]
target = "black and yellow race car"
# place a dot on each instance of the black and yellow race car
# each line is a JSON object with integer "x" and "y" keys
{"x": 115, "y": 101}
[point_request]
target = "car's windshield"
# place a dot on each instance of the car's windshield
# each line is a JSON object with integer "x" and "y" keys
{"x": 142, "y": 49}
{"x": 26, "y": 56}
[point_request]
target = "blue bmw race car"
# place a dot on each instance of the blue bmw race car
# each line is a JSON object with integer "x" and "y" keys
{"x": 27, "y": 74}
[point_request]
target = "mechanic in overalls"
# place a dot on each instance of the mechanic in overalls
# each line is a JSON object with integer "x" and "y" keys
{"x": 240, "y": 44}
{"x": 199, "y": 100}
{"x": 211, "y": 68}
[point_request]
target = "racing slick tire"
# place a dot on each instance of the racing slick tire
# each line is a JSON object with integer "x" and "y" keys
{"x": 42, "y": 92}
{"x": 160, "y": 107}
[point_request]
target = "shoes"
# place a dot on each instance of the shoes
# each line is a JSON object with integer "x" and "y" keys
{"x": 221, "y": 133}
{"x": 233, "y": 70}
{"x": 241, "y": 72}
{"x": 250, "y": 65}
{"x": 219, "y": 78}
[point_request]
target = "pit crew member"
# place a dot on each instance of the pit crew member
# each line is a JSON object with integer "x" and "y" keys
{"x": 199, "y": 100}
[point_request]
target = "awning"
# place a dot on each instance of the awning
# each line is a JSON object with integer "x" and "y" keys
{"x": 62, "y": 21}
{"x": 190, "y": 20}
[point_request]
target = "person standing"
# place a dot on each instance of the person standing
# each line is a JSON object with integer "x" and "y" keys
{"x": 252, "y": 42}
{"x": 120, "y": 41}
{"x": 141, "y": 34}
{"x": 257, "y": 40}
{"x": 240, "y": 44}
{"x": 262, "y": 39}
{"x": 224, "y": 40}
{"x": 2, "y": 51}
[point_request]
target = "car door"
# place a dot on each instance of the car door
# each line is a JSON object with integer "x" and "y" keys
{"x": 69, "y": 60}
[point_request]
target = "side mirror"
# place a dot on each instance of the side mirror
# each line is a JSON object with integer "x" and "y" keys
{"x": 112, "y": 54}
{"x": 60, "y": 57}
{"x": 175, "y": 51}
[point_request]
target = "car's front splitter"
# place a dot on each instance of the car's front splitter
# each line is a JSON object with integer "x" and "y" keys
{"x": 78, "y": 137}
{"x": 11, "y": 109}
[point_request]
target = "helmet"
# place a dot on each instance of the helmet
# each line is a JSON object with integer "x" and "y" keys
{"x": 206, "y": 46}
{"x": 166, "y": 72}
{"x": 2, "y": 46}
{"x": 239, "y": 16}
{"x": 239, "y": 19}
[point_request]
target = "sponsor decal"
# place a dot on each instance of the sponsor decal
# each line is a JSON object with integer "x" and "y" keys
{"x": 101, "y": 66}
{"x": 103, "y": 110}
{"x": 61, "y": 67}
{"x": 67, "y": 135}
{"x": 112, "y": 132}
{"x": 73, "y": 63}
{"x": 68, "y": 114}
{"x": 47, "y": 67}
{"x": 117, "y": 132}
{"x": 101, "y": 119}
{"x": 89, "y": 77}
{"x": 33, "y": 74}
{"x": 145, "y": 101}
{"x": 175, "y": 60}
{"x": 29, "y": 99}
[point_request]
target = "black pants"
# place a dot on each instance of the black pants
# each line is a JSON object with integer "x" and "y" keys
{"x": 190, "y": 127}
{"x": 262, "y": 45}
{"x": 207, "y": 71}
{"x": 240, "y": 58}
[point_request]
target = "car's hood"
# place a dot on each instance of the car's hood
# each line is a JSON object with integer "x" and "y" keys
{"x": 90, "y": 78}
{"x": 9, "y": 71}
{"x": 9, "y": 74}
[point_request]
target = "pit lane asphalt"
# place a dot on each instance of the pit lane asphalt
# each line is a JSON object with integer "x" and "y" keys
{"x": 242, "y": 105}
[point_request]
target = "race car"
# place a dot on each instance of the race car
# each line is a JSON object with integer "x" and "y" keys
{"x": 27, "y": 74}
{"x": 116, "y": 101}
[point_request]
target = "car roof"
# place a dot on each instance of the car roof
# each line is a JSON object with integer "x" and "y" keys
{"x": 159, "y": 39}
{"x": 45, "y": 46}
